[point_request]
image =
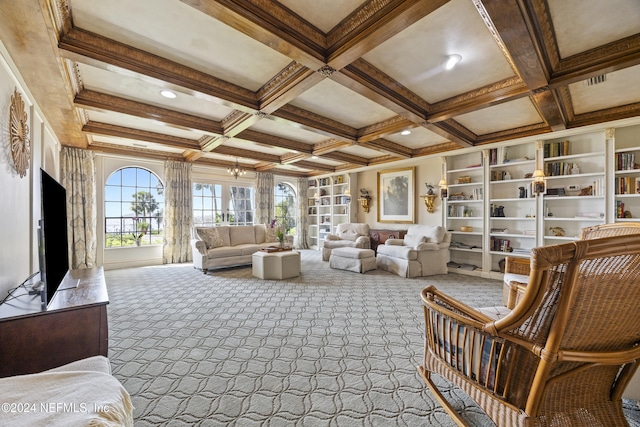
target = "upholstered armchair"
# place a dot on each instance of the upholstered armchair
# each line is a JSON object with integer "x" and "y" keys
{"x": 562, "y": 357}
{"x": 352, "y": 235}
{"x": 516, "y": 271}
{"x": 424, "y": 251}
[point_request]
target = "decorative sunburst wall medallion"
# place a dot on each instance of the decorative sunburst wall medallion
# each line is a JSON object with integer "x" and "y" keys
{"x": 19, "y": 134}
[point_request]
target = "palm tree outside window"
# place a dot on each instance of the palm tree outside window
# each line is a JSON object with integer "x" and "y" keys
{"x": 285, "y": 207}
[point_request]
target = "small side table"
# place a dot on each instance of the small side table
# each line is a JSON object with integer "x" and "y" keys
{"x": 276, "y": 265}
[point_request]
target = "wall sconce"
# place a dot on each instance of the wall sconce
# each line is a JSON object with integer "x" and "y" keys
{"x": 364, "y": 200}
{"x": 538, "y": 185}
{"x": 444, "y": 193}
{"x": 429, "y": 198}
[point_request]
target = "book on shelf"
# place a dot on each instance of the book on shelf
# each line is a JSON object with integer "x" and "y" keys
{"x": 596, "y": 215}
{"x": 626, "y": 161}
{"x": 529, "y": 232}
{"x": 627, "y": 185}
{"x": 462, "y": 266}
{"x": 499, "y": 230}
{"x": 556, "y": 149}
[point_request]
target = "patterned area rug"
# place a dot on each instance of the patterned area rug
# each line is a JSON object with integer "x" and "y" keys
{"x": 328, "y": 348}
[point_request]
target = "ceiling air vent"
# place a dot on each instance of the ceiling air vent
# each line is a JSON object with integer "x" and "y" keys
{"x": 596, "y": 80}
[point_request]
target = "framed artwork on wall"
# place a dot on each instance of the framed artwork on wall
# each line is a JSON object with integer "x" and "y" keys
{"x": 395, "y": 195}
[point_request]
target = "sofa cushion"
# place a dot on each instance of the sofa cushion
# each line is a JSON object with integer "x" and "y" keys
{"x": 223, "y": 252}
{"x": 261, "y": 232}
{"x": 403, "y": 252}
{"x": 413, "y": 240}
{"x": 223, "y": 231}
{"x": 242, "y": 234}
{"x": 351, "y": 231}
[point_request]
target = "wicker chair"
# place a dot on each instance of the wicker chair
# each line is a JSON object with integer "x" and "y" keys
{"x": 517, "y": 269}
{"x": 563, "y": 356}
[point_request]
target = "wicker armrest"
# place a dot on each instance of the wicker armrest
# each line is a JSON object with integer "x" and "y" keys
{"x": 457, "y": 336}
{"x": 517, "y": 266}
{"x": 440, "y": 302}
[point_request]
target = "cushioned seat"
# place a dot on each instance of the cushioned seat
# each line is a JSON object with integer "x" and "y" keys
{"x": 354, "y": 235}
{"x": 352, "y": 259}
{"x": 424, "y": 251}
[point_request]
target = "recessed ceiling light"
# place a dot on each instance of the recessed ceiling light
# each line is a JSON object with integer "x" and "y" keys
{"x": 167, "y": 94}
{"x": 452, "y": 61}
{"x": 405, "y": 132}
{"x": 314, "y": 157}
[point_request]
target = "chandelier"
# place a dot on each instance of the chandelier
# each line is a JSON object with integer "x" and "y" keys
{"x": 236, "y": 170}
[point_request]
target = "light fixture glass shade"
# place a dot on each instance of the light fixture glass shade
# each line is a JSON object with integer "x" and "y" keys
{"x": 443, "y": 189}
{"x": 452, "y": 61}
{"x": 538, "y": 185}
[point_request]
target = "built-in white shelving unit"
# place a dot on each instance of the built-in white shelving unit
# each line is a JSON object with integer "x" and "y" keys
{"x": 330, "y": 203}
{"x": 591, "y": 178}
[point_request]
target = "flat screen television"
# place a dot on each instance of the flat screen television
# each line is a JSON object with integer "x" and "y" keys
{"x": 53, "y": 243}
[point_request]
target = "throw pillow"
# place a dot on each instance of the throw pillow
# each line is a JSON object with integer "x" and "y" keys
{"x": 413, "y": 240}
{"x": 217, "y": 239}
{"x": 210, "y": 237}
{"x": 271, "y": 234}
{"x": 435, "y": 234}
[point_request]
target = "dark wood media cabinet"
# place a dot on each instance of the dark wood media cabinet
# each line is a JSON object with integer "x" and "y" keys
{"x": 73, "y": 327}
{"x": 378, "y": 237}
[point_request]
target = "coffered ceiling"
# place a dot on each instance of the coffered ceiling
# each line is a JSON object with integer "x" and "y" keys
{"x": 305, "y": 87}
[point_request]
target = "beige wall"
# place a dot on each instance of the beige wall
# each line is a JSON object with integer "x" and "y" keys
{"x": 426, "y": 171}
{"x": 20, "y": 196}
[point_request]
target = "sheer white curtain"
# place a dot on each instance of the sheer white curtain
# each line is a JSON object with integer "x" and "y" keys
{"x": 265, "y": 194}
{"x": 302, "y": 220}
{"x": 178, "y": 212}
{"x": 79, "y": 179}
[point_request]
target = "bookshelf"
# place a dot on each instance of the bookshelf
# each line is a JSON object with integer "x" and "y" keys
{"x": 626, "y": 181}
{"x": 330, "y": 204}
{"x": 464, "y": 209}
{"x": 591, "y": 178}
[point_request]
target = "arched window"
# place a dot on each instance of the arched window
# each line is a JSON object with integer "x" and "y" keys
{"x": 285, "y": 206}
{"x": 133, "y": 206}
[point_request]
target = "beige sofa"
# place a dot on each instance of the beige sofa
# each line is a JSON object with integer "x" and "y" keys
{"x": 349, "y": 235}
{"x": 225, "y": 246}
{"x": 424, "y": 251}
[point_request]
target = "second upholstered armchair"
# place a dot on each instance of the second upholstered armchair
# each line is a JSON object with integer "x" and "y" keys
{"x": 353, "y": 235}
{"x": 424, "y": 251}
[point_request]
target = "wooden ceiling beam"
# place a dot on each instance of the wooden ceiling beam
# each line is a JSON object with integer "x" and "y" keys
{"x": 120, "y": 150}
{"x": 503, "y": 91}
{"x": 97, "y": 128}
{"x": 329, "y": 145}
{"x": 514, "y": 33}
{"x": 453, "y": 131}
{"x": 274, "y": 141}
{"x": 85, "y": 47}
{"x": 103, "y": 102}
{"x": 389, "y": 147}
{"x": 247, "y": 154}
{"x": 346, "y": 158}
{"x": 287, "y": 85}
{"x": 373, "y": 84}
{"x": 271, "y": 24}
{"x": 384, "y": 128}
{"x": 314, "y": 166}
{"x": 316, "y": 122}
{"x": 372, "y": 24}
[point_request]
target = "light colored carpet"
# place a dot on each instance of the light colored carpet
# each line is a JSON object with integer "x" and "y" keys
{"x": 328, "y": 348}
